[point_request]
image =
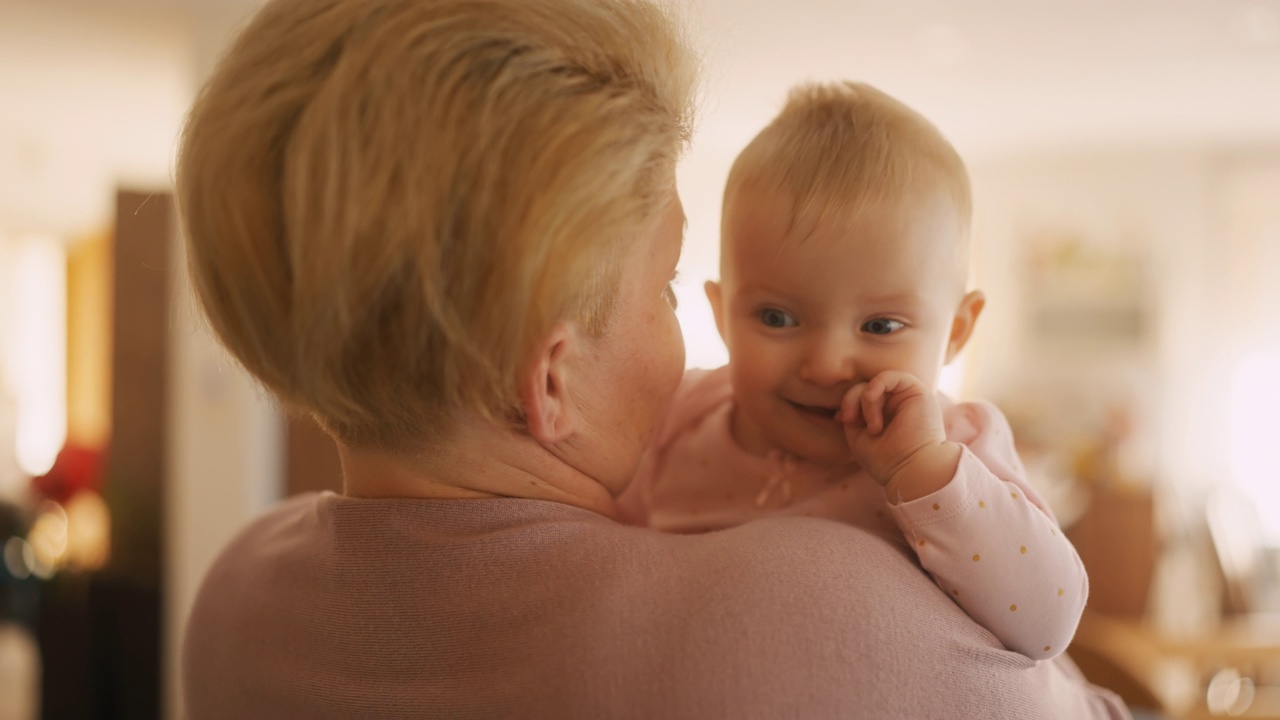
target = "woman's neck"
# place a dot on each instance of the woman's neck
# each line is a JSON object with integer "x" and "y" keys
{"x": 478, "y": 461}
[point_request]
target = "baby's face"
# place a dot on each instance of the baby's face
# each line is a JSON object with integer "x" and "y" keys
{"x": 809, "y": 314}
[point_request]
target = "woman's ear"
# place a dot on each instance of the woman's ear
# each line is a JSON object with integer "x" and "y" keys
{"x": 965, "y": 320}
{"x": 716, "y": 298}
{"x": 549, "y": 412}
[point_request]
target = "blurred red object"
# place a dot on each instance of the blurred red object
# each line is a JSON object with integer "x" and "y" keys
{"x": 76, "y": 468}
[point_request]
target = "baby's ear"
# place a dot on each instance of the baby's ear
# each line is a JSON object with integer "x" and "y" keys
{"x": 715, "y": 297}
{"x": 966, "y": 318}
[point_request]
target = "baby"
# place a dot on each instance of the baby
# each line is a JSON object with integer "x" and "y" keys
{"x": 842, "y": 294}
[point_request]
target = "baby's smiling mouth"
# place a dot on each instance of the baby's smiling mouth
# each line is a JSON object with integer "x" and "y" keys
{"x": 816, "y": 411}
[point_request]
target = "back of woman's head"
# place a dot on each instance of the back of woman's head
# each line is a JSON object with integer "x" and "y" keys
{"x": 388, "y": 203}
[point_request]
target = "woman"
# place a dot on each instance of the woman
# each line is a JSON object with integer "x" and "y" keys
{"x": 446, "y": 229}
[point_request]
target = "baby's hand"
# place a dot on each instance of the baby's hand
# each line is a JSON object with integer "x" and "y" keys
{"x": 888, "y": 421}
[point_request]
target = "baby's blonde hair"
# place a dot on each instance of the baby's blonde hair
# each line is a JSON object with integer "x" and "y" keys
{"x": 839, "y": 148}
{"x": 388, "y": 203}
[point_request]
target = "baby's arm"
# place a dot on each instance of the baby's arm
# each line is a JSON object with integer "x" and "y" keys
{"x": 1001, "y": 558}
{"x": 978, "y": 529}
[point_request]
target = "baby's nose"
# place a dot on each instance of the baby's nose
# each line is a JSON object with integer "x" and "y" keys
{"x": 829, "y": 362}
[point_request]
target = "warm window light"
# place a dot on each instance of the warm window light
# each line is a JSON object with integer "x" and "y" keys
{"x": 1255, "y": 395}
{"x": 702, "y": 345}
{"x": 35, "y": 351}
{"x": 951, "y": 379}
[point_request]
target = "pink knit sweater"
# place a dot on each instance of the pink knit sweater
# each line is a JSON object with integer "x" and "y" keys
{"x": 332, "y": 607}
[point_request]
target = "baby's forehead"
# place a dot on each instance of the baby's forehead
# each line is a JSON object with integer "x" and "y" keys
{"x": 905, "y": 245}
{"x": 764, "y": 221}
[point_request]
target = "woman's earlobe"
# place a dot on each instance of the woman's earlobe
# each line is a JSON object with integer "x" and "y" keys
{"x": 546, "y": 404}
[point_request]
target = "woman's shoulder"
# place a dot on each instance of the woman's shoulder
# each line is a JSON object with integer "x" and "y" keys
{"x": 793, "y": 575}
{"x": 831, "y": 559}
{"x": 429, "y": 591}
{"x": 276, "y": 528}
{"x": 801, "y": 546}
{"x": 827, "y": 609}
{"x": 792, "y": 572}
{"x": 757, "y": 560}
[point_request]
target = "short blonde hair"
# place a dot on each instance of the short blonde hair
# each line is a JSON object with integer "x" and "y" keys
{"x": 388, "y": 203}
{"x": 837, "y": 148}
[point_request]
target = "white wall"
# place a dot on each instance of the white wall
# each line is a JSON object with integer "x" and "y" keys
{"x": 1157, "y": 204}
{"x": 90, "y": 97}
{"x": 1208, "y": 222}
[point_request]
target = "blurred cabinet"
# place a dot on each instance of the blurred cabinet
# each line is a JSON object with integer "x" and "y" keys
{"x": 1116, "y": 539}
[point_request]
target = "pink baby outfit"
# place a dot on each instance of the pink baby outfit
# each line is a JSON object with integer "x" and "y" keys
{"x": 987, "y": 538}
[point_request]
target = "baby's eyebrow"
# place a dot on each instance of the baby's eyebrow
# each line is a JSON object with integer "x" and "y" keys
{"x": 761, "y": 287}
{"x": 897, "y": 299}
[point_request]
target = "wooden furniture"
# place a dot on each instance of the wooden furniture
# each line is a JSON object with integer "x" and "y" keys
{"x": 1116, "y": 539}
{"x": 1233, "y": 671}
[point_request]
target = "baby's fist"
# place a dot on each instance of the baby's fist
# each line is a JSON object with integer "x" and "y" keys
{"x": 888, "y": 420}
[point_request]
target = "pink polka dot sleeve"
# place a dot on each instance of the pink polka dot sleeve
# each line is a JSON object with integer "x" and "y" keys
{"x": 993, "y": 546}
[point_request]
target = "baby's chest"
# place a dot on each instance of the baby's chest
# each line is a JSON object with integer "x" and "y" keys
{"x": 699, "y": 489}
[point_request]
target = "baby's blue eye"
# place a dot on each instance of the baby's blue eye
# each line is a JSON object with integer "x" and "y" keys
{"x": 882, "y": 326}
{"x": 776, "y": 318}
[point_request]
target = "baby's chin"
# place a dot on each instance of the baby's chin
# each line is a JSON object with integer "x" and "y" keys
{"x": 766, "y": 429}
{"x": 815, "y": 450}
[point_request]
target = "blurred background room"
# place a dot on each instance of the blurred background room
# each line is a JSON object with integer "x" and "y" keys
{"x": 1126, "y": 166}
